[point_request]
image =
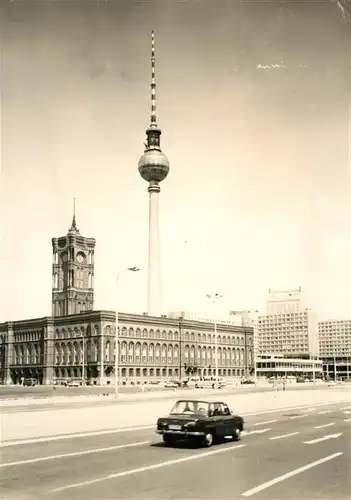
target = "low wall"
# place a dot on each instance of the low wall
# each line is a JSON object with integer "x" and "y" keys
{"x": 27, "y": 425}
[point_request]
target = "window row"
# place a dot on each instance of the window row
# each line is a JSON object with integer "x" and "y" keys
{"x": 26, "y": 354}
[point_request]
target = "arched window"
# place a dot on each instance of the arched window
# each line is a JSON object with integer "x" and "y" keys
{"x": 186, "y": 353}
{"x": 151, "y": 353}
{"x": 81, "y": 351}
{"x": 21, "y": 350}
{"x": 137, "y": 352}
{"x": 70, "y": 354}
{"x": 131, "y": 352}
{"x": 192, "y": 353}
{"x": 75, "y": 353}
{"x": 170, "y": 354}
{"x": 64, "y": 352}
{"x": 145, "y": 333}
{"x": 198, "y": 353}
{"x": 29, "y": 354}
{"x": 57, "y": 354}
{"x": 124, "y": 352}
{"x": 176, "y": 352}
{"x": 157, "y": 353}
{"x": 107, "y": 330}
{"x": 163, "y": 353}
{"x": 204, "y": 355}
{"x": 144, "y": 353}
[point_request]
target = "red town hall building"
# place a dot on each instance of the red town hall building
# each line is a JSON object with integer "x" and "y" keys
{"x": 77, "y": 342}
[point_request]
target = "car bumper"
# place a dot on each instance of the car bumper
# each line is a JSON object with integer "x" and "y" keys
{"x": 184, "y": 434}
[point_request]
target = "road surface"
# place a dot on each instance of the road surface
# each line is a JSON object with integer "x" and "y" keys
{"x": 302, "y": 453}
{"x": 27, "y": 405}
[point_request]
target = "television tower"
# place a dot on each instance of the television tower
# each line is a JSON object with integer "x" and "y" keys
{"x": 153, "y": 167}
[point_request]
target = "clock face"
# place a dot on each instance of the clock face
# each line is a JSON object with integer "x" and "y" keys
{"x": 80, "y": 258}
{"x": 64, "y": 257}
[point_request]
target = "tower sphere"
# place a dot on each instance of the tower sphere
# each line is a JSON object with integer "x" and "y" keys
{"x": 153, "y": 165}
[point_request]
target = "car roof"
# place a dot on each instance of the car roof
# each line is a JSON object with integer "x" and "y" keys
{"x": 199, "y": 401}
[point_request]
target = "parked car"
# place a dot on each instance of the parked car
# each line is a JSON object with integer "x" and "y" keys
{"x": 202, "y": 421}
{"x": 247, "y": 381}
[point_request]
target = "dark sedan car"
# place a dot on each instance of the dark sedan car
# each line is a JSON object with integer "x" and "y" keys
{"x": 203, "y": 421}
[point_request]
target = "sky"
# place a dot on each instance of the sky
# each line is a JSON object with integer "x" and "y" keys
{"x": 252, "y": 100}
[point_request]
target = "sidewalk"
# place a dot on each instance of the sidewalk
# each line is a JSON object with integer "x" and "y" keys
{"x": 34, "y": 424}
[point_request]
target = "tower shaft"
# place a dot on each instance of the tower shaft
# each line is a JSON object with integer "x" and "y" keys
{"x": 153, "y": 167}
{"x": 154, "y": 277}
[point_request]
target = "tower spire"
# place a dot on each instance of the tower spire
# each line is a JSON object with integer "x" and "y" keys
{"x": 74, "y": 227}
{"x": 153, "y": 122}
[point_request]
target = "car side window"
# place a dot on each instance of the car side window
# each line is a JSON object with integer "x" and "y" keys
{"x": 225, "y": 410}
{"x": 217, "y": 411}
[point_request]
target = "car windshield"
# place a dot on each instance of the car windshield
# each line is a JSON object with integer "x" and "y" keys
{"x": 190, "y": 408}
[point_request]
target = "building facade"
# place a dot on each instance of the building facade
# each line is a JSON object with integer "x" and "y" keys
{"x": 284, "y": 301}
{"x": 291, "y": 334}
{"x": 82, "y": 346}
{"x": 279, "y": 366}
{"x": 335, "y": 348}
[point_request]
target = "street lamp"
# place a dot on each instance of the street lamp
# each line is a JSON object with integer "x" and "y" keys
{"x": 214, "y": 299}
{"x": 83, "y": 360}
{"x": 129, "y": 269}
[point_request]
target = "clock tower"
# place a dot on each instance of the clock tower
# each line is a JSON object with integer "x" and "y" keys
{"x": 72, "y": 273}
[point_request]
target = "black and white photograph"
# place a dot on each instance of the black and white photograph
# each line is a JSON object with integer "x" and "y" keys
{"x": 175, "y": 249}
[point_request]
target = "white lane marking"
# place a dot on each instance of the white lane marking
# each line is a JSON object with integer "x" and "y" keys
{"x": 267, "y": 422}
{"x": 347, "y": 420}
{"x": 73, "y": 454}
{"x": 257, "y": 431}
{"x": 324, "y": 425}
{"x": 77, "y": 435}
{"x": 292, "y": 473}
{"x": 347, "y": 412}
{"x": 147, "y": 468}
{"x": 284, "y": 435}
{"x": 297, "y": 416}
{"x": 308, "y": 409}
{"x": 324, "y": 412}
{"x": 324, "y": 438}
{"x": 5, "y": 444}
{"x": 346, "y": 408}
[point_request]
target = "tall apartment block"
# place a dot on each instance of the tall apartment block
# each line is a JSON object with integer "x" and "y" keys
{"x": 335, "y": 348}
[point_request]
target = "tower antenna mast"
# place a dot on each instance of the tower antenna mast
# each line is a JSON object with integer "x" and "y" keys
{"x": 153, "y": 122}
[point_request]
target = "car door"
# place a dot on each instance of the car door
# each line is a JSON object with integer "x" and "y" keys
{"x": 217, "y": 418}
{"x": 228, "y": 420}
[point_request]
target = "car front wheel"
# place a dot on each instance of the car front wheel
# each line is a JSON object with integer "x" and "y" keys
{"x": 236, "y": 434}
{"x": 208, "y": 441}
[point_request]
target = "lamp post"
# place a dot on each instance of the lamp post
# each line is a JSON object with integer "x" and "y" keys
{"x": 180, "y": 347}
{"x": 214, "y": 299}
{"x": 129, "y": 269}
{"x": 83, "y": 360}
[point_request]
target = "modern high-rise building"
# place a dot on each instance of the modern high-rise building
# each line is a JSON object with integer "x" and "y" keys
{"x": 292, "y": 334}
{"x": 153, "y": 167}
{"x": 335, "y": 347}
{"x": 72, "y": 272}
{"x": 284, "y": 301}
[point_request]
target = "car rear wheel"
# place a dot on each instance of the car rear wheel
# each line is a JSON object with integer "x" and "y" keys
{"x": 168, "y": 440}
{"x": 208, "y": 440}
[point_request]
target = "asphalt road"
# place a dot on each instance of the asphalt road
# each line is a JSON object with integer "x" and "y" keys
{"x": 281, "y": 456}
{"x": 65, "y": 402}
